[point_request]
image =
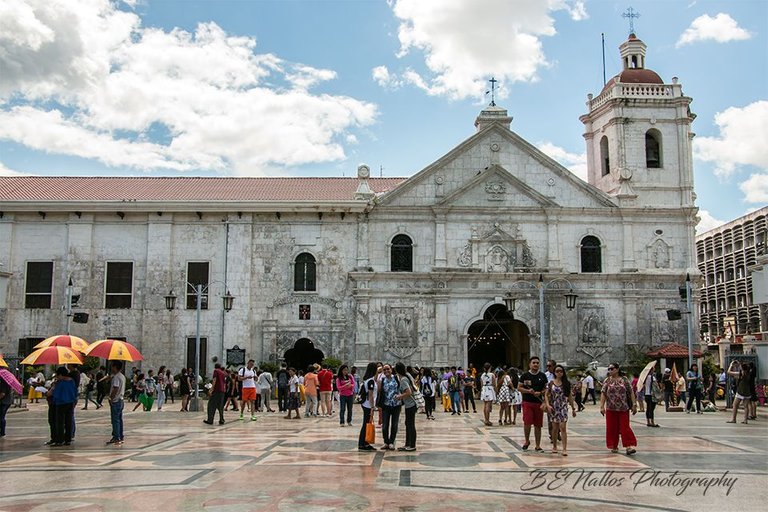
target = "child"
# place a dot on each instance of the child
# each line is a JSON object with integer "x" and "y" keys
{"x": 293, "y": 394}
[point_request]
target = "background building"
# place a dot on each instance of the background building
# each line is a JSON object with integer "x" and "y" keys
{"x": 365, "y": 269}
{"x": 728, "y": 257}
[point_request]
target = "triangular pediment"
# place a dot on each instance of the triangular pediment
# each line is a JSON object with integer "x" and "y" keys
{"x": 534, "y": 178}
{"x": 496, "y": 187}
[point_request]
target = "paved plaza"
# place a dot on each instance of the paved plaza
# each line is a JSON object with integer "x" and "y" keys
{"x": 172, "y": 461}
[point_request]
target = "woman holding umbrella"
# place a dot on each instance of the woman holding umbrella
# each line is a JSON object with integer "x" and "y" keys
{"x": 8, "y": 385}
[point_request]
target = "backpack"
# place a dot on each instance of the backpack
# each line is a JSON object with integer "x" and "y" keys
{"x": 426, "y": 388}
{"x": 282, "y": 378}
{"x": 362, "y": 393}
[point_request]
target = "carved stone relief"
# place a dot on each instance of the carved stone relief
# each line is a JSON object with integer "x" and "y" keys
{"x": 497, "y": 251}
{"x": 465, "y": 256}
{"x": 496, "y": 190}
{"x": 497, "y": 260}
{"x": 658, "y": 254}
{"x": 402, "y": 332}
{"x": 592, "y": 325}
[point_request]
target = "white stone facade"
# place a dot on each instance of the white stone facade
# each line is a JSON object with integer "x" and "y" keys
{"x": 485, "y": 219}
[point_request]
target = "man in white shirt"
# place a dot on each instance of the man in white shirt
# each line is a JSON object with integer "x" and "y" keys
{"x": 550, "y": 371}
{"x": 247, "y": 376}
{"x": 589, "y": 381}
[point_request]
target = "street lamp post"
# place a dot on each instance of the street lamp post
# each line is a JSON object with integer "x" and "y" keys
{"x": 689, "y": 306}
{"x": 570, "y": 303}
{"x": 170, "y": 304}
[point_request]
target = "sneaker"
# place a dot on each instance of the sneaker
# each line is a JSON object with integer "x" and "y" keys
{"x": 111, "y": 441}
{"x": 241, "y": 417}
{"x": 253, "y": 418}
{"x": 208, "y": 422}
{"x": 221, "y": 422}
{"x": 119, "y": 442}
{"x": 366, "y": 448}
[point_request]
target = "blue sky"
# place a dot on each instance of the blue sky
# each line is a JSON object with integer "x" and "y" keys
{"x": 313, "y": 88}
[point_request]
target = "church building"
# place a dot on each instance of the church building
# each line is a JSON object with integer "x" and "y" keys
{"x": 494, "y": 252}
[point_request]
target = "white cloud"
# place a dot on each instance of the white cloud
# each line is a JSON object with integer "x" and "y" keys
{"x": 575, "y": 162}
{"x": 5, "y": 171}
{"x": 384, "y": 78}
{"x": 464, "y": 43}
{"x": 756, "y": 188}
{"x": 743, "y": 132}
{"x": 707, "y": 222}
{"x": 88, "y": 80}
{"x": 722, "y": 29}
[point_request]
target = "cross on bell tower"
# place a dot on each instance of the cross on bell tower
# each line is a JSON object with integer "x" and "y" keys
{"x": 492, "y": 91}
{"x": 631, "y": 14}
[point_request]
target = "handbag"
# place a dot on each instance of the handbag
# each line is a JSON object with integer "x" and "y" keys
{"x": 417, "y": 396}
{"x": 370, "y": 432}
{"x": 657, "y": 395}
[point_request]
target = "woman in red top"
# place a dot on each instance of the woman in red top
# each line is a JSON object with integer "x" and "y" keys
{"x": 616, "y": 400}
{"x": 346, "y": 386}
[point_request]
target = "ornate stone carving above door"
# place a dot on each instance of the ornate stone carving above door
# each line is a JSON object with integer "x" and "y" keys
{"x": 496, "y": 250}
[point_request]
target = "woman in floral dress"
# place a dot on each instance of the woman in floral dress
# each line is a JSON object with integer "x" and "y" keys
{"x": 616, "y": 400}
{"x": 557, "y": 397}
{"x": 487, "y": 392}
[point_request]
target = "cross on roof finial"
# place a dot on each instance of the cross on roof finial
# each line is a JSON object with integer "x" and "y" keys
{"x": 492, "y": 91}
{"x": 631, "y": 14}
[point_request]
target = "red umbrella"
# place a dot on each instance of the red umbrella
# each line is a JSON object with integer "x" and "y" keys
{"x": 53, "y": 355}
{"x": 64, "y": 340}
{"x": 114, "y": 349}
{"x": 10, "y": 379}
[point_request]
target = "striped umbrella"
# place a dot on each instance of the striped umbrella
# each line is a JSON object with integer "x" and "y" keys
{"x": 2, "y": 362}
{"x": 114, "y": 349}
{"x": 64, "y": 340}
{"x": 53, "y": 355}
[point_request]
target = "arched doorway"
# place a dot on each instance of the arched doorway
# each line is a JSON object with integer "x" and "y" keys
{"x": 498, "y": 339}
{"x": 303, "y": 354}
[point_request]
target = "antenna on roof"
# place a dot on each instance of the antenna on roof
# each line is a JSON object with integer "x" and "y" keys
{"x": 381, "y": 171}
{"x": 603, "y": 37}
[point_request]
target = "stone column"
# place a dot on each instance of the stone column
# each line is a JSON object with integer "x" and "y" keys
{"x": 441, "y": 260}
{"x": 441, "y": 330}
{"x": 362, "y": 242}
{"x": 553, "y": 242}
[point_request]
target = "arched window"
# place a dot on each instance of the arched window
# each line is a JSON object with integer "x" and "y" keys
{"x": 304, "y": 273}
{"x": 402, "y": 254}
{"x": 591, "y": 260}
{"x": 653, "y": 149}
{"x": 605, "y": 161}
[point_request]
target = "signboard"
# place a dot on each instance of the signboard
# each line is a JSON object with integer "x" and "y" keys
{"x": 729, "y": 327}
{"x": 235, "y": 356}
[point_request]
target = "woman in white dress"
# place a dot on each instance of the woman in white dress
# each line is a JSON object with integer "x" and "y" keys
{"x": 487, "y": 392}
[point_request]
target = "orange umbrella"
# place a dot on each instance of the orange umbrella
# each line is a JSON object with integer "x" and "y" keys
{"x": 2, "y": 362}
{"x": 114, "y": 349}
{"x": 64, "y": 340}
{"x": 53, "y": 355}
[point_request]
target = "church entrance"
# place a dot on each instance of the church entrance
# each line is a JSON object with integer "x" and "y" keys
{"x": 303, "y": 354}
{"x": 498, "y": 339}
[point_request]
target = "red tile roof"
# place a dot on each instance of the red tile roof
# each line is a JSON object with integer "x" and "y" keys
{"x": 672, "y": 351}
{"x": 40, "y": 188}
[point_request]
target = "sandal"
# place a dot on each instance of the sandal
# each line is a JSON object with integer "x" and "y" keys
{"x": 631, "y": 451}
{"x": 614, "y": 450}
{"x": 554, "y": 451}
{"x": 730, "y": 422}
{"x": 525, "y": 446}
{"x": 565, "y": 453}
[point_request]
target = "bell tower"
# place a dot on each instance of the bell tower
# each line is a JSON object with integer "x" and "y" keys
{"x": 638, "y": 135}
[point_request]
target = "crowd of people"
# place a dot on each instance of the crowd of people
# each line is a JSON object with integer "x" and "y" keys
{"x": 384, "y": 390}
